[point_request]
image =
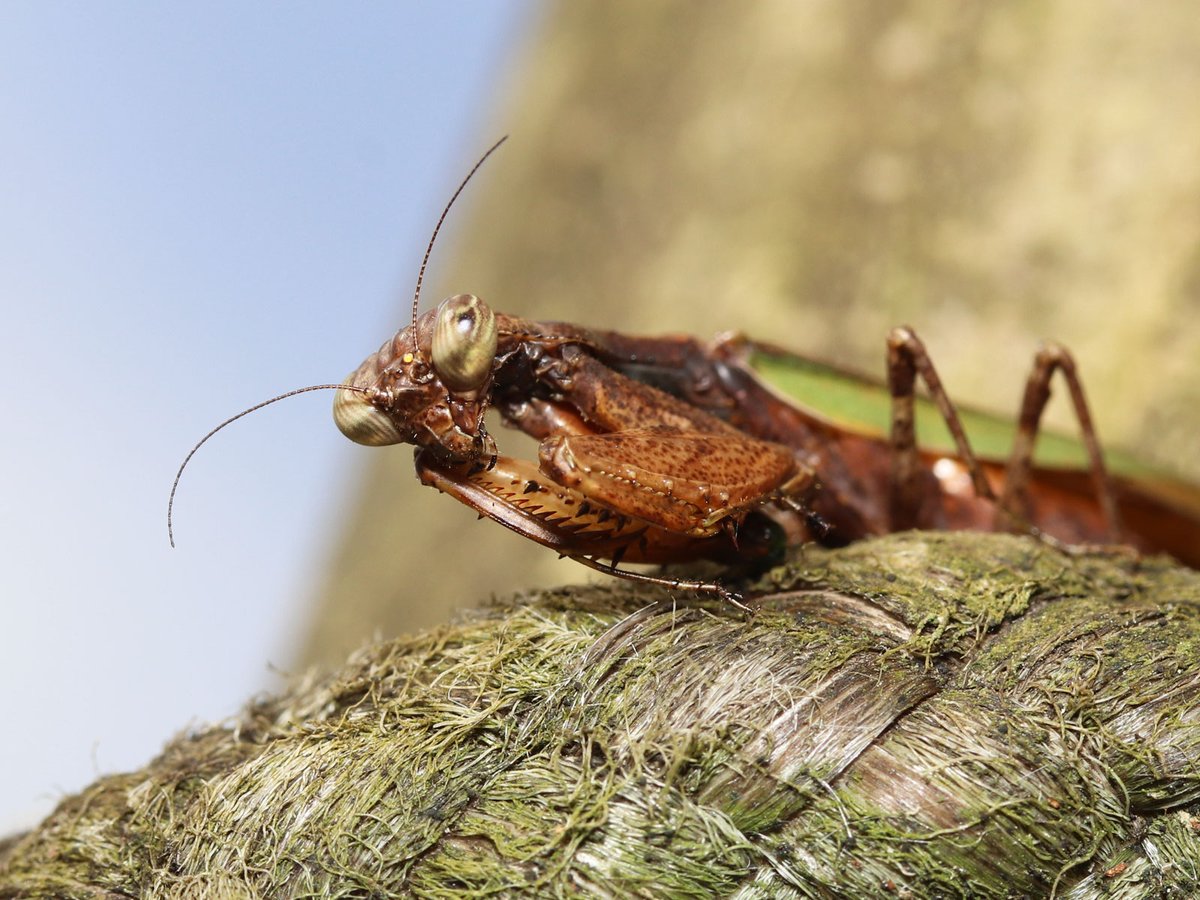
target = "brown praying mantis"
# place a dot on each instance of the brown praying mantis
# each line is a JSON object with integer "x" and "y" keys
{"x": 663, "y": 450}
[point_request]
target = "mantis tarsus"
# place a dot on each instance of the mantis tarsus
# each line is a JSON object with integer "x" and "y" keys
{"x": 659, "y": 450}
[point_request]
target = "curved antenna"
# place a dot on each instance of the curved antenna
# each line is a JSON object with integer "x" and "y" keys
{"x": 329, "y": 387}
{"x": 438, "y": 227}
{"x": 245, "y": 412}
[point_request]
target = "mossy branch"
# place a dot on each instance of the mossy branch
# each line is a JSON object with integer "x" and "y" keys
{"x": 923, "y": 715}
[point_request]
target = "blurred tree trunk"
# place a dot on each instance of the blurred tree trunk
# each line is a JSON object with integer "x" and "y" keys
{"x": 814, "y": 173}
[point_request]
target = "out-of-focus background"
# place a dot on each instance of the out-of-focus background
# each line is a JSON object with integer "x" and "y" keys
{"x": 201, "y": 205}
{"x": 205, "y": 206}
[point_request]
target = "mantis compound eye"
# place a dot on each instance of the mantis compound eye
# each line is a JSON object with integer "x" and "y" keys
{"x": 464, "y": 342}
{"x": 360, "y": 421}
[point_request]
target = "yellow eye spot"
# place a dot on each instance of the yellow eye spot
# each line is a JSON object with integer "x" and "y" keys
{"x": 406, "y": 358}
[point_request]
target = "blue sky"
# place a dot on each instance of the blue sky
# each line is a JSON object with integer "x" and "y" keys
{"x": 200, "y": 206}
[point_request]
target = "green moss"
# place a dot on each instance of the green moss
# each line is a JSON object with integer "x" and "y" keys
{"x": 923, "y": 715}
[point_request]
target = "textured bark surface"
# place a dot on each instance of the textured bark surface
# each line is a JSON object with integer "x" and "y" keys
{"x": 814, "y": 173}
{"x": 923, "y": 716}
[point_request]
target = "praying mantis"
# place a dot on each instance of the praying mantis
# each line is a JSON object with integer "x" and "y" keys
{"x": 661, "y": 450}
{"x": 668, "y": 449}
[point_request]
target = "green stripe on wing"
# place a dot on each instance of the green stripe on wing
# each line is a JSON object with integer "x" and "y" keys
{"x": 863, "y": 406}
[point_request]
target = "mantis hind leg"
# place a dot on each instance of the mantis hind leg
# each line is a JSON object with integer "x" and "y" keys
{"x": 1014, "y": 498}
{"x": 908, "y": 359}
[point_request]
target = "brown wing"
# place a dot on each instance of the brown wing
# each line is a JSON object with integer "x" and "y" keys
{"x": 681, "y": 481}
